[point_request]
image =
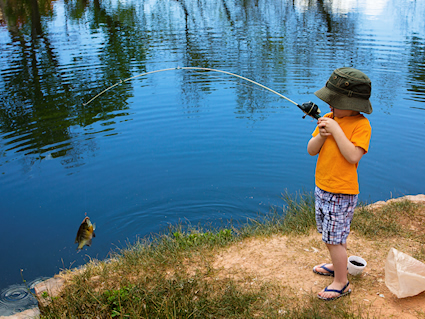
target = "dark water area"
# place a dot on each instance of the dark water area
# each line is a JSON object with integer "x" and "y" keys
{"x": 179, "y": 145}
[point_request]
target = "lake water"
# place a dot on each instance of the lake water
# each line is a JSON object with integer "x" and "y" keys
{"x": 179, "y": 145}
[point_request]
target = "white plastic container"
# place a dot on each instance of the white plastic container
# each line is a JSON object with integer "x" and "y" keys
{"x": 357, "y": 267}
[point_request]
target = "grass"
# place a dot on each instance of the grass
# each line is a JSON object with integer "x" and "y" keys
{"x": 295, "y": 218}
{"x": 387, "y": 221}
{"x": 171, "y": 275}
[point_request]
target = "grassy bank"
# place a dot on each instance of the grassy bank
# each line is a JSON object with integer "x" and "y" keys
{"x": 173, "y": 276}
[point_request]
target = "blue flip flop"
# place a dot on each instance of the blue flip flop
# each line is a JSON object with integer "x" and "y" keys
{"x": 328, "y": 273}
{"x": 340, "y": 292}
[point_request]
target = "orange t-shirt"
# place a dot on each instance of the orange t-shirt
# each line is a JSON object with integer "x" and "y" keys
{"x": 334, "y": 173}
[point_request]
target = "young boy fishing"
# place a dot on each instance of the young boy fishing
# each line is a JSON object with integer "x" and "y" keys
{"x": 341, "y": 138}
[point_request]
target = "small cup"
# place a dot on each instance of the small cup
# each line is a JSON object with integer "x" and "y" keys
{"x": 356, "y": 265}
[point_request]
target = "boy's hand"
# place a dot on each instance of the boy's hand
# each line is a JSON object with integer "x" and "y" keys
{"x": 323, "y": 132}
{"x": 327, "y": 126}
{"x": 351, "y": 153}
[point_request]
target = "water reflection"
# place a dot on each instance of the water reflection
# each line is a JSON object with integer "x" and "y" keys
{"x": 47, "y": 79}
{"x": 416, "y": 82}
{"x": 42, "y": 96}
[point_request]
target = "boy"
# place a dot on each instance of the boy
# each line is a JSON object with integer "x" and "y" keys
{"x": 341, "y": 138}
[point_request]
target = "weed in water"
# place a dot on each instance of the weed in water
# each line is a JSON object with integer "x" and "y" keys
{"x": 296, "y": 217}
{"x": 299, "y": 213}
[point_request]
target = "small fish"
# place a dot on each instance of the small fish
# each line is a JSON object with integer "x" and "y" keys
{"x": 85, "y": 233}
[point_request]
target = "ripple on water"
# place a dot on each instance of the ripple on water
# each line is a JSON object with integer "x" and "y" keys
{"x": 17, "y": 298}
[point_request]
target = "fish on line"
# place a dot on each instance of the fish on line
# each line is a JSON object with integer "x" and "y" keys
{"x": 85, "y": 233}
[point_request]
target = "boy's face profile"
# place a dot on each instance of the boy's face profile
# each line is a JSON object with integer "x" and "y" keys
{"x": 343, "y": 113}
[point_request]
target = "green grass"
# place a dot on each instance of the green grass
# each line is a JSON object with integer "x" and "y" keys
{"x": 296, "y": 217}
{"x": 170, "y": 275}
{"x": 385, "y": 221}
{"x": 193, "y": 239}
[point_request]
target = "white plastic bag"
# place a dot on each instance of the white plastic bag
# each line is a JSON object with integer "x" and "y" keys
{"x": 404, "y": 275}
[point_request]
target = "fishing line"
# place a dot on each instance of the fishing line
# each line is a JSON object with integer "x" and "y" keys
{"x": 308, "y": 108}
{"x": 233, "y": 81}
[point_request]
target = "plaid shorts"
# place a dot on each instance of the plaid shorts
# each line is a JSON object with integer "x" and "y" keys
{"x": 334, "y": 213}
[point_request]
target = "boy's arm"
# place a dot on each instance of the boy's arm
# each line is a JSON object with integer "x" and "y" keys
{"x": 315, "y": 144}
{"x": 351, "y": 153}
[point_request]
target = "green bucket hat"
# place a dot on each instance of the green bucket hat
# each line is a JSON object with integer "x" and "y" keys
{"x": 347, "y": 89}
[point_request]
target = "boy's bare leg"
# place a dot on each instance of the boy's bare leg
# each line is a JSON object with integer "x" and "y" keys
{"x": 339, "y": 261}
{"x": 329, "y": 266}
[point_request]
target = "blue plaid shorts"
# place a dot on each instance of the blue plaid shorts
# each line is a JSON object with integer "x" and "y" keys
{"x": 334, "y": 213}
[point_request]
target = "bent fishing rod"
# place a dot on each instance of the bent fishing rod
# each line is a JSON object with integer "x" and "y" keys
{"x": 309, "y": 108}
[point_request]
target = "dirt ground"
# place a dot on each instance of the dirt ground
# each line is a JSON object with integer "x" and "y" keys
{"x": 288, "y": 262}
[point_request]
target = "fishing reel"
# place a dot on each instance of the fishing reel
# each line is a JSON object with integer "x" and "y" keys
{"x": 311, "y": 109}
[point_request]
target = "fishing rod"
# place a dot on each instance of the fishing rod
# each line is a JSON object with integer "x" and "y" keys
{"x": 309, "y": 108}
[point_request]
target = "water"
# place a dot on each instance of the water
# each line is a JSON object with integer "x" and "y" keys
{"x": 183, "y": 145}
{"x": 356, "y": 263}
